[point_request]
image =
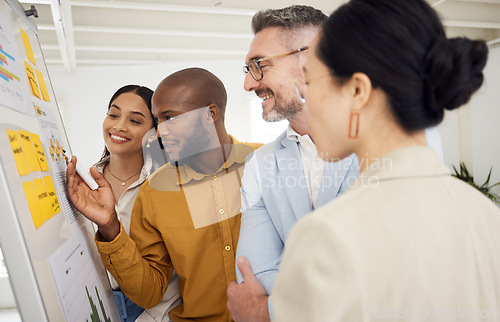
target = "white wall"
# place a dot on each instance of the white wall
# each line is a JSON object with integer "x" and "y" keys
{"x": 485, "y": 122}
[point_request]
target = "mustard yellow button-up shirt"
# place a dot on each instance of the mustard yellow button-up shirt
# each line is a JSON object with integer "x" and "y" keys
{"x": 188, "y": 221}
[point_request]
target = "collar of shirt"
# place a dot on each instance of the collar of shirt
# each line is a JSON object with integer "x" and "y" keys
{"x": 304, "y": 141}
{"x": 237, "y": 155}
{"x": 312, "y": 164}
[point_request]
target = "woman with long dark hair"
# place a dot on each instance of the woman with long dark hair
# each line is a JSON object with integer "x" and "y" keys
{"x": 126, "y": 163}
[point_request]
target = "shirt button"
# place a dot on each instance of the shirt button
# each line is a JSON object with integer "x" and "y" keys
{"x": 227, "y": 248}
{"x": 221, "y": 211}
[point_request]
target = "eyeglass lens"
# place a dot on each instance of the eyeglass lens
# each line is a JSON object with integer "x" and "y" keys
{"x": 255, "y": 71}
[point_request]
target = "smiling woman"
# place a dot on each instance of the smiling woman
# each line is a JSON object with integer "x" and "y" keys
{"x": 127, "y": 122}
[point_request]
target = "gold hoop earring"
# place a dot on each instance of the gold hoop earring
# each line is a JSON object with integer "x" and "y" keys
{"x": 353, "y": 125}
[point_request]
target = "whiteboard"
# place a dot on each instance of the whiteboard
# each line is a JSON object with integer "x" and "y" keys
{"x": 54, "y": 268}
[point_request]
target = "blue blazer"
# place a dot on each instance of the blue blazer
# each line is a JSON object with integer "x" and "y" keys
{"x": 274, "y": 196}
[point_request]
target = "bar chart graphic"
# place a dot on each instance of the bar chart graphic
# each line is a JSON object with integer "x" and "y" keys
{"x": 94, "y": 316}
{"x": 4, "y": 63}
{"x": 79, "y": 285}
{"x": 13, "y": 91}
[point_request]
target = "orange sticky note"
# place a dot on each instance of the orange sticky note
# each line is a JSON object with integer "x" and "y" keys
{"x": 37, "y": 144}
{"x": 17, "y": 151}
{"x": 43, "y": 198}
{"x": 49, "y": 186}
{"x": 29, "y": 151}
{"x": 27, "y": 47}
{"x": 32, "y": 80}
{"x": 43, "y": 87}
{"x": 33, "y": 204}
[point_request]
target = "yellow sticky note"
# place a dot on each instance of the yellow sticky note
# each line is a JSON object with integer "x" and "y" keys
{"x": 49, "y": 185}
{"x": 43, "y": 198}
{"x": 29, "y": 151}
{"x": 43, "y": 87}
{"x": 59, "y": 150}
{"x": 52, "y": 149}
{"x": 17, "y": 150}
{"x": 32, "y": 80}
{"x": 37, "y": 144}
{"x": 27, "y": 46}
{"x": 33, "y": 204}
{"x": 39, "y": 111}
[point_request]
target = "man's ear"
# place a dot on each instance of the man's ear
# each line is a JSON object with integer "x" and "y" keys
{"x": 212, "y": 113}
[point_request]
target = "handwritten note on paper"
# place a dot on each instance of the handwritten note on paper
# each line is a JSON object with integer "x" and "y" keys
{"x": 49, "y": 186}
{"x": 17, "y": 151}
{"x": 37, "y": 144}
{"x": 29, "y": 151}
{"x": 32, "y": 79}
{"x": 43, "y": 198}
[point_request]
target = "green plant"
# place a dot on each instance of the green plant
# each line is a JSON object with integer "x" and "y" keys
{"x": 465, "y": 176}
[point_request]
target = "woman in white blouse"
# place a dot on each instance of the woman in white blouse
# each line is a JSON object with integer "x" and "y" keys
{"x": 130, "y": 137}
{"x": 408, "y": 241}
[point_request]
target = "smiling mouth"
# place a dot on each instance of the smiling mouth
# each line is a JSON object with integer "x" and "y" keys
{"x": 118, "y": 138}
{"x": 169, "y": 144}
{"x": 266, "y": 97}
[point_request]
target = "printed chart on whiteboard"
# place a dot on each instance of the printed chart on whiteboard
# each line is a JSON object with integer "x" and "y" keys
{"x": 13, "y": 91}
{"x": 78, "y": 284}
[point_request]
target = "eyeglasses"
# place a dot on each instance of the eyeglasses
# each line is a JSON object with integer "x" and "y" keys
{"x": 254, "y": 65}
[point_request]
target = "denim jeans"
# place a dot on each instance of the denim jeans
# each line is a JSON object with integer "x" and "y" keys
{"x": 129, "y": 311}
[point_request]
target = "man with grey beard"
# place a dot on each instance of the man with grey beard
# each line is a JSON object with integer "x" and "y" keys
{"x": 285, "y": 179}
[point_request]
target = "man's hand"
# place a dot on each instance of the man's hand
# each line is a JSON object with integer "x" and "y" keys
{"x": 97, "y": 205}
{"x": 247, "y": 301}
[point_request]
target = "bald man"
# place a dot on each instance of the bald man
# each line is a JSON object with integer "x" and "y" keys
{"x": 187, "y": 214}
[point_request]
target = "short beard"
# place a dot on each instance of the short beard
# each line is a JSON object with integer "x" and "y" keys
{"x": 281, "y": 111}
{"x": 195, "y": 144}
